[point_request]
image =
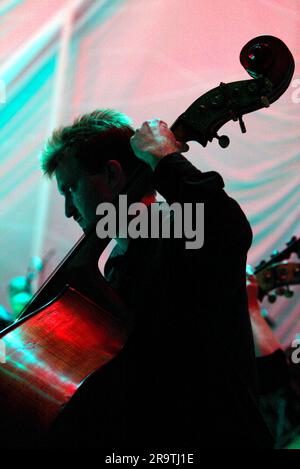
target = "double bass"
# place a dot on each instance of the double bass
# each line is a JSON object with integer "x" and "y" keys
{"x": 76, "y": 324}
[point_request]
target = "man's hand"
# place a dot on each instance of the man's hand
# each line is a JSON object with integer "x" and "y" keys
{"x": 252, "y": 292}
{"x": 265, "y": 340}
{"x": 154, "y": 140}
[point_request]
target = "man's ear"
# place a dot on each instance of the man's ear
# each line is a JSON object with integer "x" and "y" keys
{"x": 115, "y": 174}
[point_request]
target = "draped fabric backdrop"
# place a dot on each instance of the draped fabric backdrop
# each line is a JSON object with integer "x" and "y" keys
{"x": 147, "y": 58}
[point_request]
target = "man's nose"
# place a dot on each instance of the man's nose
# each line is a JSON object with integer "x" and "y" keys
{"x": 69, "y": 207}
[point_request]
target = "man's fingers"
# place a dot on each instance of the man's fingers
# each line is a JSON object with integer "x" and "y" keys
{"x": 154, "y": 123}
{"x": 163, "y": 123}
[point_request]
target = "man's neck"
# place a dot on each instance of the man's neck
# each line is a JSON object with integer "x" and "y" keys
{"x": 123, "y": 242}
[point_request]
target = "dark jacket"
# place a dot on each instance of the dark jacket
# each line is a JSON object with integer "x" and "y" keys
{"x": 186, "y": 376}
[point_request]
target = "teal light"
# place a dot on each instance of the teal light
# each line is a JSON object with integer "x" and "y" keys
{"x": 9, "y": 6}
{"x": 28, "y": 90}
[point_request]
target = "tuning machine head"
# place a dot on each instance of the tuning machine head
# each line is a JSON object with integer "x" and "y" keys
{"x": 272, "y": 297}
{"x": 223, "y": 140}
{"x": 288, "y": 293}
{"x": 285, "y": 291}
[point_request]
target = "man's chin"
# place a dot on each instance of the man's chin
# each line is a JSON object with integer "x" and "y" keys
{"x": 81, "y": 224}
{"x": 86, "y": 228}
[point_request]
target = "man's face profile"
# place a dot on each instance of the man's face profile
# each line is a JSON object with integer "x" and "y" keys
{"x": 82, "y": 191}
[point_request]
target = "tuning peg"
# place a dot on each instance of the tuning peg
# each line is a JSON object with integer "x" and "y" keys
{"x": 223, "y": 140}
{"x": 242, "y": 125}
{"x": 272, "y": 297}
{"x": 280, "y": 291}
{"x": 288, "y": 293}
{"x": 264, "y": 101}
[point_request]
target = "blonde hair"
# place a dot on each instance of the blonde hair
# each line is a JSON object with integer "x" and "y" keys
{"x": 93, "y": 139}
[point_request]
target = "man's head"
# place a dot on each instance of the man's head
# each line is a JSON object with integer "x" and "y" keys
{"x": 91, "y": 160}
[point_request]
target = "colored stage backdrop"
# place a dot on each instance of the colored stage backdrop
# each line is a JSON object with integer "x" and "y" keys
{"x": 147, "y": 58}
